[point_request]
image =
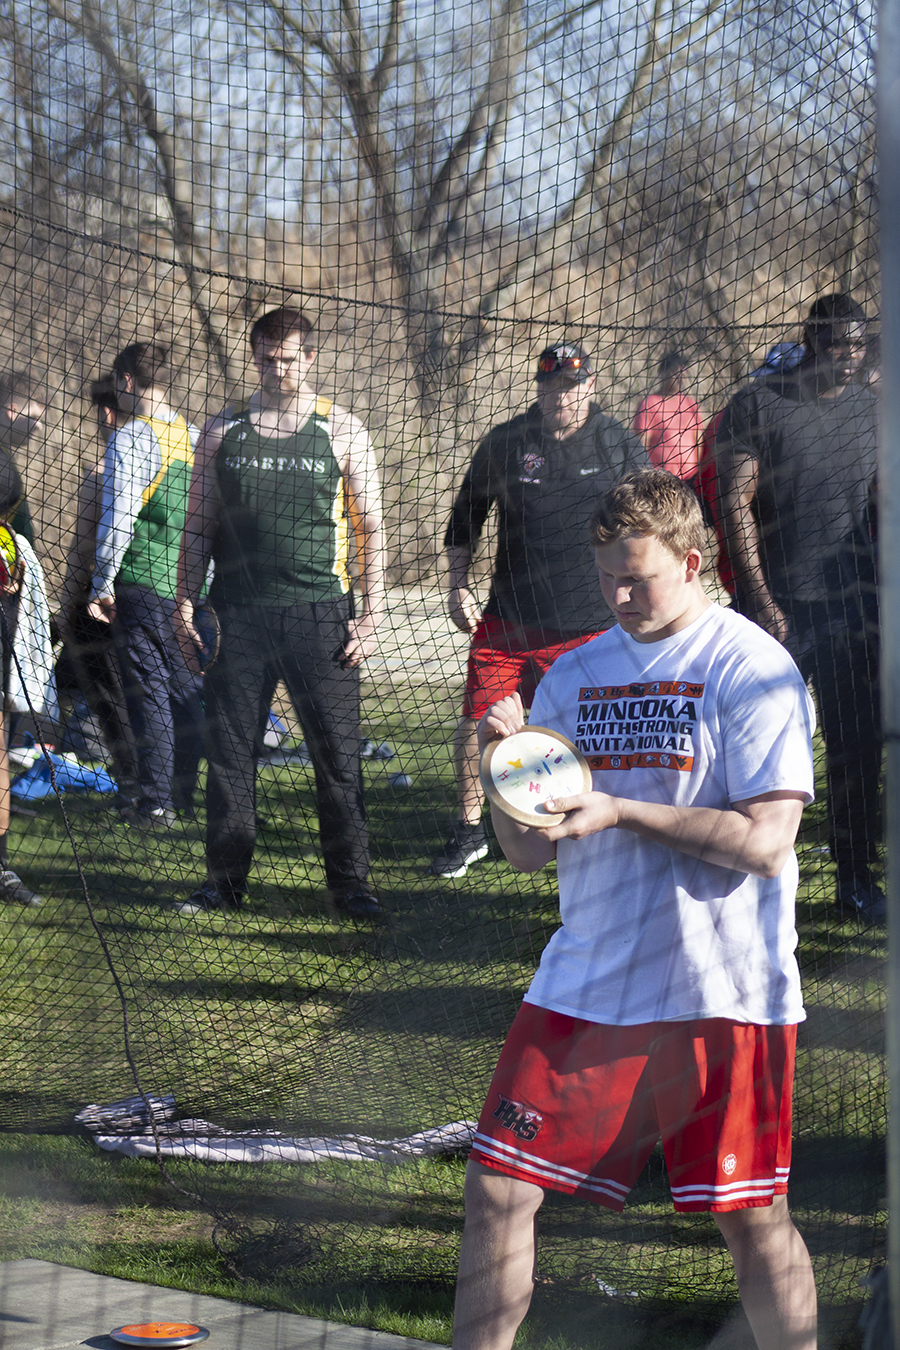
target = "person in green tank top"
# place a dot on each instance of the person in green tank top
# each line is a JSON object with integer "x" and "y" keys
{"x": 146, "y": 478}
{"x": 278, "y": 487}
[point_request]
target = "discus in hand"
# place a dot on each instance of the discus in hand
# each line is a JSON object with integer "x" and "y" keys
{"x": 9, "y": 561}
{"x": 520, "y": 772}
{"x": 206, "y": 622}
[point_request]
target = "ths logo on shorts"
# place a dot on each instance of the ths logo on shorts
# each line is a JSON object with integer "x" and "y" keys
{"x": 729, "y": 1163}
{"x": 514, "y": 1116}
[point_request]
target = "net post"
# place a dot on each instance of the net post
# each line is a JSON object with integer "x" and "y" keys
{"x": 889, "y": 548}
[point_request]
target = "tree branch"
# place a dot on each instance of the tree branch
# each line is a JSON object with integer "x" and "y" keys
{"x": 580, "y": 209}
{"x": 177, "y": 193}
{"x": 391, "y": 47}
{"x": 488, "y": 119}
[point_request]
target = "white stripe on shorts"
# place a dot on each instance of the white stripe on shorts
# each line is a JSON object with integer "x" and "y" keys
{"x": 545, "y": 1172}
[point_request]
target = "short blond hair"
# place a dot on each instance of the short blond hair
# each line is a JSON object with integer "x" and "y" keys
{"x": 651, "y": 502}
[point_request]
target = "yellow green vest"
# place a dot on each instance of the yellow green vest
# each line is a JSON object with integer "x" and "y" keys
{"x": 151, "y": 558}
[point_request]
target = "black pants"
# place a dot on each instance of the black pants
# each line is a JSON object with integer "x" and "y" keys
{"x": 260, "y": 646}
{"x": 93, "y": 656}
{"x": 163, "y": 698}
{"x": 841, "y": 663}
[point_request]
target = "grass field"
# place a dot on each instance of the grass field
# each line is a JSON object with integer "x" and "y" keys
{"x": 283, "y": 1016}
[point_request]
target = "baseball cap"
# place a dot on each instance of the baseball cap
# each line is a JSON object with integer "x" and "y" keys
{"x": 564, "y": 359}
{"x": 780, "y": 359}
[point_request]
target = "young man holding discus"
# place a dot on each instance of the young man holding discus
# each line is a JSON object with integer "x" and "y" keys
{"x": 667, "y": 1003}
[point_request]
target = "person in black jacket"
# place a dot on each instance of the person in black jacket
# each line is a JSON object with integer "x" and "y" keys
{"x": 543, "y": 471}
{"x": 796, "y": 455}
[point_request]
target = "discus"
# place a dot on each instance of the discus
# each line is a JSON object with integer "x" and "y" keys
{"x": 9, "y": 557}
{"x": 520, "y": 772}
{"x": 159, "y": 1333}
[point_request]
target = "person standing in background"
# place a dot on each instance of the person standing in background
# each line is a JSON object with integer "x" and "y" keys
{"x": 543, "y": 471}
{"x": 279, "y": 486}
{"x": 23, "y": 407}
{"x": 146, "y": 479}
{"x": 22, "y": 411}
{"x": 796, "y": 456}
{"x": 89, "y": 643}
{"x": 669, "y": 423}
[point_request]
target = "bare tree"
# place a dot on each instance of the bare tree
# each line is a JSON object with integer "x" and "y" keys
{"x": 175, "y": 179}
{"x": 470, "y": 185}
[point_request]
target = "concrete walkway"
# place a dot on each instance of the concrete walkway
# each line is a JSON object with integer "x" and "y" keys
{"x": 48, "y": 1307}
{"x": 416, "y": 640}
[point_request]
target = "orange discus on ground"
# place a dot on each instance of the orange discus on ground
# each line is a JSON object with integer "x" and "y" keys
{"x": 159, "y": 1333}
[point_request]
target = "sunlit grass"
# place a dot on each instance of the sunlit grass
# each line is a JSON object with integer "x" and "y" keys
{"x": 283, "y": 1015}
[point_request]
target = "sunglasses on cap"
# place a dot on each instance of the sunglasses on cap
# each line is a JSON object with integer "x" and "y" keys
{"x": 564, "y": 360}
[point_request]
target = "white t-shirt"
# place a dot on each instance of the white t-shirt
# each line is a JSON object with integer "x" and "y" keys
{"x": 714, "y": 715}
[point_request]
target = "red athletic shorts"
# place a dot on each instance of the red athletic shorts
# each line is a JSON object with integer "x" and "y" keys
{"x": 506, "y": 657}
{"x": 579, "y": 1107}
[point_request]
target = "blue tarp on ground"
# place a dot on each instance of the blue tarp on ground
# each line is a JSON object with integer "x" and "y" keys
{"x": 35, "y": 783}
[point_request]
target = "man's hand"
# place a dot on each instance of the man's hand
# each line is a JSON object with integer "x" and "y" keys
{"x": 189, "y": 640}
{"x": 464, "y": 609}
{"x": 103, "y": 609}
{"x": 501, "y": 719}
{"x": 361, "y": 642}
{"x": 587, "y": 813}
{"x": 16, "y": 578}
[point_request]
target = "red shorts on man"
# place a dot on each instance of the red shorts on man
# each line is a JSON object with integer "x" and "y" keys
{"x": 507, "y": 658}
{"x": 579, "y": 1106}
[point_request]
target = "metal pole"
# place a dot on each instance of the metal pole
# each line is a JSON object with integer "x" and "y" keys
{"x": 889, "y": 546}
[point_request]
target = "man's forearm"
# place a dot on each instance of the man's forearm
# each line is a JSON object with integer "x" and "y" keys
{"x": 370, "y": 547}
{"x": 114, "y": 536}
{"x": 746, "y": 568}
{"x": 196, "y": 544}
{"x": 193, "y": 562}
{"x": 459, "y": 565}
{"x": 754, "y": 836}
{"x": 742, "y": 546}
{"x": 741, "y": 537}
{"x": 759, "y": 842}
{"x": 526, "y": 849}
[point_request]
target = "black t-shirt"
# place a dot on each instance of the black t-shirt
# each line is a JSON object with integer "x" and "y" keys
{"x": 816, "y": 462}
{"x": 545, "y": 492}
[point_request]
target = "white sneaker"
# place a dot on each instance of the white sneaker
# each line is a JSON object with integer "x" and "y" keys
{"x": 14, "y": 890}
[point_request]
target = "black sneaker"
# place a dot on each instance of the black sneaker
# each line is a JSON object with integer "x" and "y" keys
{"x": 862, "y": 897}
{"x": 467, "y": 845}
{"x": 205, "y": 899}
{"x": 14, "y": 891}
{"x": 358, "y": 905}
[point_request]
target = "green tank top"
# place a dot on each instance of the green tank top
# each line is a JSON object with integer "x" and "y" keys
{"x": 283, "y": 528}
{"x": 151, "y": 558}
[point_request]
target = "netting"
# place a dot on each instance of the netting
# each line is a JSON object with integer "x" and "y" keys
{"x": 445, "y": 191}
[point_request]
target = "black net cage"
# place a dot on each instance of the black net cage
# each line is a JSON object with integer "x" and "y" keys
{"x": 445, "y": 192}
